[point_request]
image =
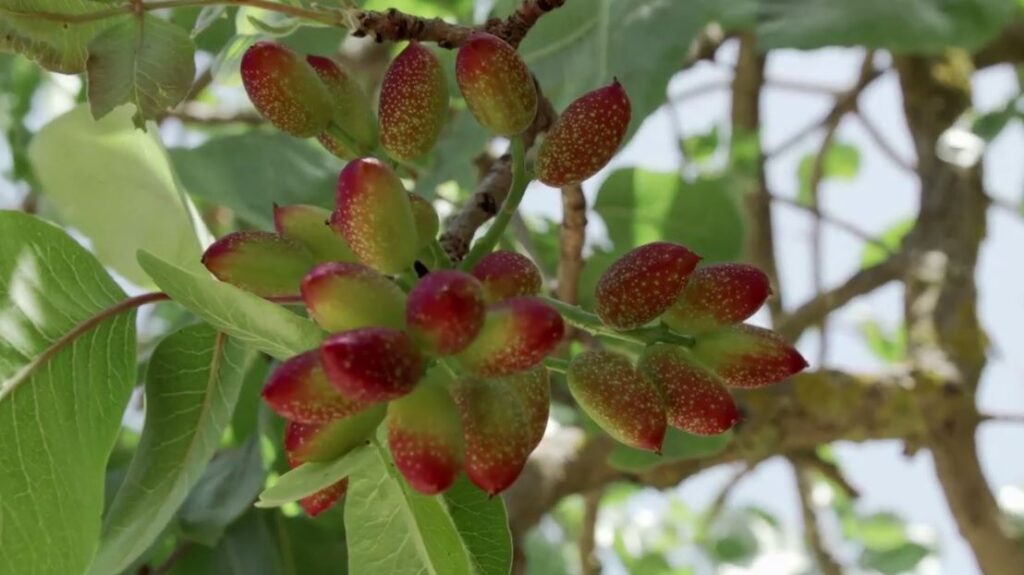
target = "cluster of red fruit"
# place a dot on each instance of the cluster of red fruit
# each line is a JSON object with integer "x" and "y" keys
{"x": 673, "y": 384}
{"x": 452, "y": 362}
{"x": 452, "y": 366}
{"x": 313, "y": 96}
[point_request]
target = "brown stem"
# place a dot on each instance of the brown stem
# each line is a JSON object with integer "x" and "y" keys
{"x": 589, "y": 563}
{"x": 572, "y": 236}
{"x": 812, "y": 530}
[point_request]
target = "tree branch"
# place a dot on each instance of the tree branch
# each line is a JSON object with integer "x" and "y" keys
{"x": 571, "y": 238}
{"x": 945, "y": 341}
{"x": 827, "y": 564}
{"x": 819, "y": 407}
{"x": 867, "y": 280}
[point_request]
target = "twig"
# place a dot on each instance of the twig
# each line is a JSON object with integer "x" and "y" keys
{"x": 793, "y": 324}
{"x": 845, "y": 103}
{"x": 572, "y": 236}
{"x": 812, "y": 531}
{"x": 883, "y": 144}
{"x": 589, "y": 563}
{"x": 718, "y": 503}
{"x": 844, "y": 225}
{"x": 491, "y": 193}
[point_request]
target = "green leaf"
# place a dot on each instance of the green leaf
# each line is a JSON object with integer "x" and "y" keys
{"x": 61, "y": 401}
{"x": 247, "y": 548}
{"x": 989, "y": 126}
{"x": 928, "y": 26}
{"x": 225, "y": 492}
{"x": 877, "y": 532}
{"x": 143, "y": 61}
{"x": 483, "y": 524}
{"x": 115, "y": 185}
{"x": 678, "y": 446}
{"x": 309, "y": 478}
{"x": 890, "y": 347}
{"x": 639, "y": 206}
{"x": 393, "y": 529}
{"x": 891, "y": 238}
{"x": 700, "y": 148}
{"x": 192, "y": 385}
{"x": 892, "y": 561}
{"x": 61, "y": 46}
{"x": 842, "y": 162}
{"x": 584, "y": 45}
{"x": 254, "y": 321}
{"x": 249, "y": 172}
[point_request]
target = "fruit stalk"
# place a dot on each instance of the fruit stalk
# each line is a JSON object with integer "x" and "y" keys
{"x": 520, "y": 181}
{"x": 591, "y": 323}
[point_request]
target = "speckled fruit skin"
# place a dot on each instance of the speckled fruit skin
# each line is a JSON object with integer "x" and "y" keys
{"x": 445, "y": 311}
{"x": 309, "y": 225}
{"x": 496, "y": 432}
{"x": 324, "y": 499}
{"x": 747, "y": 356}
{"x": 533, "y": 388}
{"x": 425, "y": 437}
{"x": 306, "y": 442}
{"x": 372, "y": 364}
{"x": 428, "y": 224}
{"x": 624, "y": 404}
{"x": 285, "y": 89}
{"x": 585, "y": 137}
{"x": 263, "y": 263}
{"x": 642, "y": 284}
{"x": 343, "y": 296}
{"x": 496, "y": 84}
{"x": 351, "y": 109}
{"x": 518, "y": 334}
{"x": 374, "y": 216}
{"x": 298, "y": 390}
{"x": 506, "y": 274}
{"x": 696, "y": 400}
{"x": 413, "y": 103}
{"x": 717, "y": 296}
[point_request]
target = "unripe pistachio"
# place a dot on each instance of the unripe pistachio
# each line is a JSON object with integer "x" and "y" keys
{"x": 747, "y": 356}
{"x": 696, "y": 399}
{"x": 717, "y": 296}
{"x": 413, "y": 103}
{"x": 506, "y": 274}
{"x": 310, "y": 226}
{"x": 351, "y": 111}
{"x": 496, "y": 84}
{"x": 285, "y": 89}
{"x": 298, "y": 390}
{"x": 425, "y": 435}
{"x": 623, "y": 403}
{"x": 643, "y": 283}
{"x": 263, "y": 263}
{"x": 585, "y": 137}
{"x": 375, "y": 217}
{"x": 372, "y": 364}
{"x": 343, "y": 296}
{"x": 518, "y": 334}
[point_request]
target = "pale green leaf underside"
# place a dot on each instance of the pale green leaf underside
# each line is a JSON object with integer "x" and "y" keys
{"x": 192, "y": 384}
{"x": 143, "y": 61}
{"x": 254, "y": 321}
{"x": 115, "y": 185}
{"x": 309, "y": 478}
{"x": 58, "y": 422}
{"x": 393, "y": 529}
{"x": 26, "y": 28}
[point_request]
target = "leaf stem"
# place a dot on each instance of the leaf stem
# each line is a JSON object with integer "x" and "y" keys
{"x": 520, "y": 181}
{"x": 557, "y": 364}
{"x": 591, "y": 323}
